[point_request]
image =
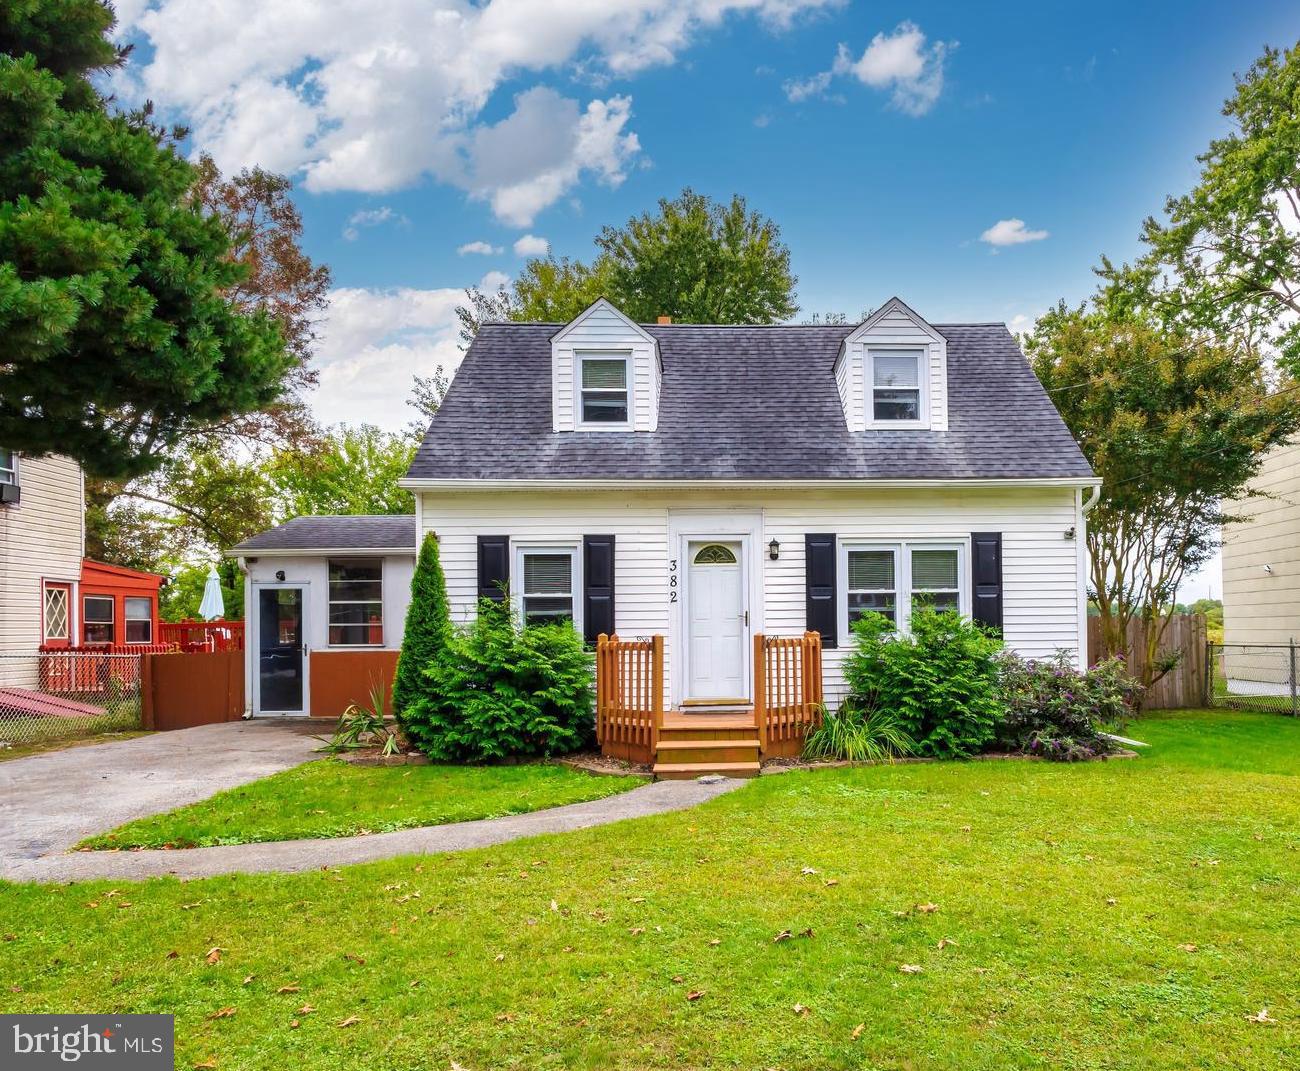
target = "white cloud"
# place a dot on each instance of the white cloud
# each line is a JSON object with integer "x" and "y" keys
{"x": 482, "y": 248}
{"x": 1011, "y": 232}
{"x": 372, "y": 345}
{"x": 798, "y": 90}
{"x": 901, "y": 62}
{"x": 532, "y": 246}
{"x": 371, "y": 217}
{"x": 1020, "y": 324}
{"x": 493, "y": 280}
{"x": 372, "y": 95}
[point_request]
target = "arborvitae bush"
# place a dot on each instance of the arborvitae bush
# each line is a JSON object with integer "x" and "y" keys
{"x": 428, "y": 629}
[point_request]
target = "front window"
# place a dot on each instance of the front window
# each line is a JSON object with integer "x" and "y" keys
{"x": 356, "y": 597}
{"x": 8, "y": 466}
{"x": 97, "y": 619}
{"x": 548, "y": 584}
{"x": 139, "y": 620}
{"x": 872, "y": 582}
{"x": 56, "y": 614}
{"x": 604, "y": 390}
{"x": 936, "y": 577}
{"x": 895, "y": 384}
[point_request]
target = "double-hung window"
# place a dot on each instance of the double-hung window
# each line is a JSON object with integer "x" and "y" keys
{"x": 548, "y": 585}
{"x": 8, "y": 466}
{"x": 871, "y": 581}
{"x": 894, "y": 579}
{"x": 604, "y": 388}
{"x": 97, "y": 619}
{"x": 139, "y": 619}
{"x": 897, "y": 388}
{"x": 356, "y": 602}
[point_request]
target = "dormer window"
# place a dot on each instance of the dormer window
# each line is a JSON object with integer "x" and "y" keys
{"x": 897, "y": 385}
{"x": 604, "y": 388}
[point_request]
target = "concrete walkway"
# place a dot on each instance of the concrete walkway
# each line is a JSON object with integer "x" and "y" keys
{"x": 296, "y": 855}
{"x": 49, "y": 802}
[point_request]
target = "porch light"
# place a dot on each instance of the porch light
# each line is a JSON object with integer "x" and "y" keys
{"x": 774, "y": 550}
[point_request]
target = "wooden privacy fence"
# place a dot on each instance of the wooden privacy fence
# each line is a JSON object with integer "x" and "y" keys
{"x": 787, "y": 690}
{"x": 629, "y": 696}
{"x": 1182, "y": 686}
{"x": 179, "y": 690}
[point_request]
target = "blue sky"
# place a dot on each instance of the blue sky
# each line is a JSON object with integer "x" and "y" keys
{"x": 418, "y": 127}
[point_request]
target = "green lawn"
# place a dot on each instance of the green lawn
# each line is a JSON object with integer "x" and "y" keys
{"x": 332, "y": 798}
{"x": 1066, "y": 899}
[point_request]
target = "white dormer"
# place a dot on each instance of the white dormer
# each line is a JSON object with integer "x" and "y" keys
{"x": 605, "y": 374}
{"x": 892, "y": 373}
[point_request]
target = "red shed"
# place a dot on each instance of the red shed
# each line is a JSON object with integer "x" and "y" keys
{"x": 118, "y": 605}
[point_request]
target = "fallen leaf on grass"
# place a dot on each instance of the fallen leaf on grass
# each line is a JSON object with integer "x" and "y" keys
{"x": 1111, "y": 901}
{"x": 248, "y": 978}
{"x": 637, "y": 900}
{"x": 500, "y": 956}
{"x": 358, "y": 960}
{"x": 944, "y": 942}
{"x": 214, "y": 955}
{"x": 506, "y": 1017}
{"x": 857, "y": 1031}
{"x": 289, "y": 988}
{"x": 830, "y": 882}
{"x": 1188, "y": 948}
{"x": 695, "y": 994}
{"x": 715, "y": 942}
{"x": 635, "y": 930}
{"x": 1260, "y": 1016}
{"x": 351, "y": 1020}
{"x": 678, "y": 979}
{"x": 910, "y": 968}
{"x": 415, "y": 984}
{"x": 223, "y": 1013}
{"x": 11, "y": 937}
{"x": 173, "y": 954}
{"x": 191, "y": 907}
{"x": 784, "y": 935}
{"x": 294, "y": 1024}
{"x": 800, "y": 1010}
{"x": 207, "y": 1065}
{"x": 926, "y": 909}
{"x": 306, "y": 1009}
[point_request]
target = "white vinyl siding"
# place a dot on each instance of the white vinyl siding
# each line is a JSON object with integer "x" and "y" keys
{"x": 1041, "y": 611}
{"x": 40, "y": 542}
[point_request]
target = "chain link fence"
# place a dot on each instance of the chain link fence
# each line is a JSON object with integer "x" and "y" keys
{"x": 1254, "y": 677}
{"x": 57, "y": 694}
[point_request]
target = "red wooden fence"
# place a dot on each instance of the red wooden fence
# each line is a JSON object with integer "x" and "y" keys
{"x": 192, "y": 635}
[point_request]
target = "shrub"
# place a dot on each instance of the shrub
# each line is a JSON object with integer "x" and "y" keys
{"x": 859, "y": 734}
{"x": 428, "y": 628}
{"x": 1055, "y": 711}
{"x": 941, "y": 680}
{"x": 498, "y": 690}
{"x": 361, "y": 727}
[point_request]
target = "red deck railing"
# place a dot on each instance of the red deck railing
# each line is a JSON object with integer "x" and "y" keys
{"x": 91, "y": 670}
{"x": 203, "y": 635}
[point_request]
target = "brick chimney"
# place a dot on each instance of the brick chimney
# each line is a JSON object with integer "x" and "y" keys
{"x": 665, "y": 319}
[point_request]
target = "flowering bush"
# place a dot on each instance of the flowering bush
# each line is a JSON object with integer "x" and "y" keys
{"x": 1055, "y": 711}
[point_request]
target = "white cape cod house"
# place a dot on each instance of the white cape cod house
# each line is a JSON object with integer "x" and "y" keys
{"x": 727, "y": 499}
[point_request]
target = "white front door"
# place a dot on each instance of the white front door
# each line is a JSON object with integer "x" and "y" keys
{"x": 716, "y": 621}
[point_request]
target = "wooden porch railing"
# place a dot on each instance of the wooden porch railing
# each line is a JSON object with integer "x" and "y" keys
{"x": 787, "y": 690}
{"x": 629, "y": 696}
{"x": 93, "y": 669}
{"x": 192, "y": 635}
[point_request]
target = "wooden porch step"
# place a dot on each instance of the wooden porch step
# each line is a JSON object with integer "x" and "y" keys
{"x": 708, "y": 751}
{"x": 685, "y": 771}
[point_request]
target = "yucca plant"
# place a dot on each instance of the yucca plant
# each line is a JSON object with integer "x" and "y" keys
{"x": 859, "y": 734}
{"x": 361, "y": 726}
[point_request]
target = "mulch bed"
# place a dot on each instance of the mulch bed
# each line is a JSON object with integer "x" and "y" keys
{"x": 594, "y": 762}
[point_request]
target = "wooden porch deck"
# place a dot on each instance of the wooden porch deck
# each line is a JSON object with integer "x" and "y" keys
{"x": 733, "y": 738}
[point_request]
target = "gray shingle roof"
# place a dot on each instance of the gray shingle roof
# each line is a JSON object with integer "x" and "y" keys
{"x": 746, "y": 403}
{"x": 366, "y": 532}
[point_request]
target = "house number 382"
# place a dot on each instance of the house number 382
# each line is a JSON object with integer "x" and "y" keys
{"x": 672, "y": 580}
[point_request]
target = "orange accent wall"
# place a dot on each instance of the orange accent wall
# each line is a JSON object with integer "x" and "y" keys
{"x": 118, "y": 583}
{"x": 341, "y": 678}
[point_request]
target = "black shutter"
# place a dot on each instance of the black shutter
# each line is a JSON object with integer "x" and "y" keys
{"x": 986, "y": 579}
{"x": 819, "y": 583}
{"x": 597, "y": 586}
{"x": 493, "y": 567}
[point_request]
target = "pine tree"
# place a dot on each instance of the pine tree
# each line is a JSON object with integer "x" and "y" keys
{"x": 118, "y": 335}
{"x": 428, "y": 627}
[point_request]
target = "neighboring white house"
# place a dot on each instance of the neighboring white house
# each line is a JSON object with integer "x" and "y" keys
{"x": 42, "y": 535}
{"x": 326, "y": 601}
{"x": 706, "y": 483}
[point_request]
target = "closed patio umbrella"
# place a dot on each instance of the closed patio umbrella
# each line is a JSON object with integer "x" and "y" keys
{"x": 213, "y": 605}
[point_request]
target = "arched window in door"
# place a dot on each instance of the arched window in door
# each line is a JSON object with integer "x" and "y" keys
{"x": 715, "y": 554}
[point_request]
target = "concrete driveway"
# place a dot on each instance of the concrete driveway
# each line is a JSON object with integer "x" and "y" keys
{"x": 49, "y": 802}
